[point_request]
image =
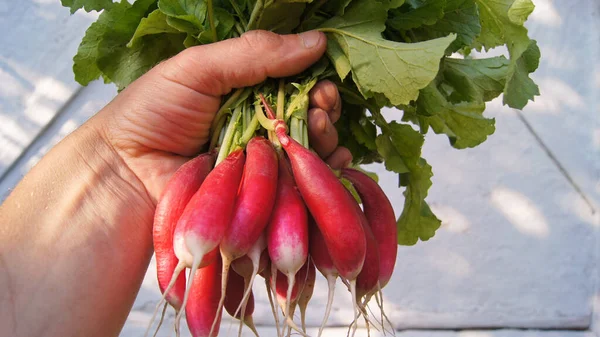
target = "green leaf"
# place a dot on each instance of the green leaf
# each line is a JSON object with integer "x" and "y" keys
{"x": 460, "y": 17}
{"x": 124, "y": 65}
{"x": 520, "y": 88}
{"x": 420, "y": 12}
{"x": 396, "y": 70}
{"x": 520, "y": 11}
{"x": 360, "y": 153}
{"x": 497, "y": 29}
{"x": 117, "y": 24}
{"x": 87, "y": 5}
{"x": 455, "y": 103}
{"x": 400, "y": 145}
{"x": 463, "y": 123}
{"x": 121, "y": 64}
{"x": 335, "y": 7}
{"x": 364, "y": 132}
{"x": 338, "y": 58}
{"x": 282, "y": 16}
{"x": 189, "y": 15}
{"x": 474, "y": 80}
{"x": 224, "y": 22}
{"x": 155, "y": 23}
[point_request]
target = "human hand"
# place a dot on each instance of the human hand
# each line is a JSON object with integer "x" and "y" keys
{"x": 164, "y": 117}
{"x": 88, "y": 205}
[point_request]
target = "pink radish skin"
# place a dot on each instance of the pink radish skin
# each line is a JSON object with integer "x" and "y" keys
{"x": 258, "y": 257}
{"x": 233, "y": 300}
{"x": 207, "y": 216}
{"x": 330, "y": 205}
{"x": 179, "y": 190}
{"x": 255, "y": 197}
{"x": 202, "y": 307}
{"x": 320, "y": 256}
{"x": 244, "y": 267}
{"x": 307, "y": 292}
{"x": 287, "y": 232}
{"x": 368, "y": 279}
{"x": 381, "y": 218}
{"x": 332, "y": 208}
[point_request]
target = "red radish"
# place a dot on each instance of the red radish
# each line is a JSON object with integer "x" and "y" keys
{"x": 320, "y": 256}
{"x": 202, "y": 306}
{"x": 282, "y": 286}
{"x": 330, "y": 205}
{"x": 328, "y": 202}
{"x": 245, "y": 268}
{"x": 382, "y": 220}
{"x": 287, "y": 232}
{"x": 258, "y": 257}
{"x": 177, "y": 193}
{"x": 307, "y": 292}
{"x": 368, "y": 279}
{"x": 206, "y": 217}
{"x": 233, "y": 300}
{"x": 255, "y": 198}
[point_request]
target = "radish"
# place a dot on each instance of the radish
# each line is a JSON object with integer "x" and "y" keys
{"x": 330, "y": 205}
{"x": 307, "y": 292}
{"x": 368, "y": 278}
{"x": 206, "y": 217}
{"x": 245, "y": 268}
{"x": 234, "y": 298}
{"x": 257, "y": 257}
{"x": 177, "y": 193}
{"x": 320, "y": 256}
{"x": 286, "y": 297}
{"x": 287, "y": 232}
{"x": 381, "y": 218}
{"x": 255, "y": 198}
{"x": 201, "y": 308}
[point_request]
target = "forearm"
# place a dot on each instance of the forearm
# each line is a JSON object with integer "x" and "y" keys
{"x": 75, "y": 241}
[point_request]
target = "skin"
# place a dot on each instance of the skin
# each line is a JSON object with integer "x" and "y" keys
{"x": 75, "y": 234}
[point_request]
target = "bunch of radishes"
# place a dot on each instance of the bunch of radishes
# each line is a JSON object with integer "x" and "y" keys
{"x": 273, "y": 209}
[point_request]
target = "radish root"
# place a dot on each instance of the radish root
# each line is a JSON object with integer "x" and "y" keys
{"x": 224, "y": 276}
{"x": 195, "y": 265}
{"x": 180, "y": 267}
{"x": 330, "y": 292}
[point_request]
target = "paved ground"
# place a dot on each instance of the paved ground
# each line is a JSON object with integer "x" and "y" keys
{"x": 518, "y": 249}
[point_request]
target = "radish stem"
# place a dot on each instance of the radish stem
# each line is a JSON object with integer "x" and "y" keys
{"x": 227, "y": 140}
{"x": 211, "y": 20}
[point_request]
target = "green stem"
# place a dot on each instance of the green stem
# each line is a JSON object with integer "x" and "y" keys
{"x": 239, "y": 13}
{"x": 223, "y": 109}
{"x": 249, "y": 132}
{"x": 281, "y": 100}
{"x": 214, "y": 139}
{"x": 266, "y": 123}
{"x": 311, "y": 11}
{"x": 256, "y": 13}
{"x": 239, "y": 28}
{"x": 227, "y": 140}
{"x": 211, "y": 20}
{"x": 305, "y": 135}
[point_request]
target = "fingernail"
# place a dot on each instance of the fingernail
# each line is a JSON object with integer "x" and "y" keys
{"x": 322, "y": 121}
{"x": 310, "y": 39}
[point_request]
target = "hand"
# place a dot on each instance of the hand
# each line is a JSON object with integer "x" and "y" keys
{"x": 75, "y": 234}
{"x": 163, "y": 118}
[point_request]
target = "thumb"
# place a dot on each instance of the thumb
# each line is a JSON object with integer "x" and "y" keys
{"x": 248, "y": 60}
{"x": 171, "y": 107}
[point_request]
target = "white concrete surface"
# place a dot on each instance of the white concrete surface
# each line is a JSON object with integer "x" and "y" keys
{"x": 518, "y": 246}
